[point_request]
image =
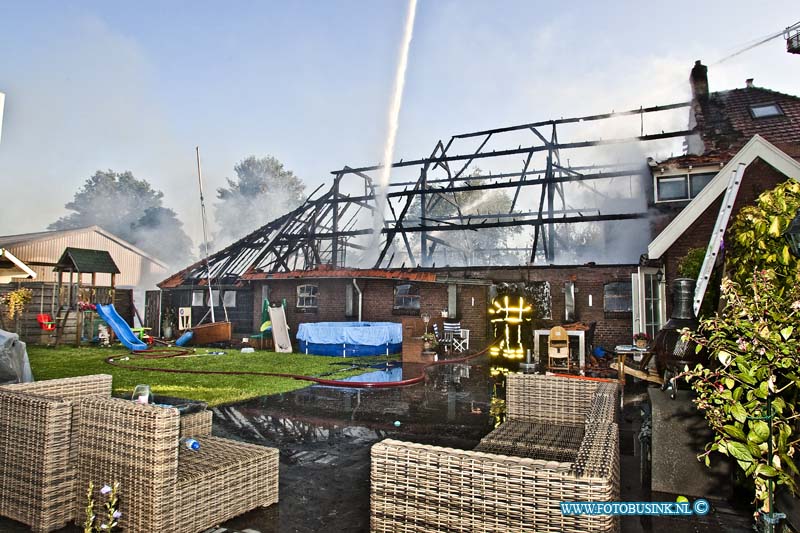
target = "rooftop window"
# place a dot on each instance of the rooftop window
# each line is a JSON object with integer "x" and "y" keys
{"x": 765, "y": 110}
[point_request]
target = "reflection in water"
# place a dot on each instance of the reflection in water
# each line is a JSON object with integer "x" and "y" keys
{"x": 452, "y": 406}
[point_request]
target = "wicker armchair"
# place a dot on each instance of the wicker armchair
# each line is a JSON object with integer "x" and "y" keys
{"x": 164, "y": 487}
{"x": 517, "y": 476}
{"x": 38, "y": 449}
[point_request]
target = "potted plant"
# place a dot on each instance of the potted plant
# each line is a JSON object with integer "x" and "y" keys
{"x": 428, "y": 341}
{"x": 641, "y": 339}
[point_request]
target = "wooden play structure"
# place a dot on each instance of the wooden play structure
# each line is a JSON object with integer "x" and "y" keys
{"x": 75, "y": 319}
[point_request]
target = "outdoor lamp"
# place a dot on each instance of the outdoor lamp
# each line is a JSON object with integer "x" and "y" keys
{"x": 792, "y": 235}
{"x": 660, "y": 275}
{"x": 425, "y": 318}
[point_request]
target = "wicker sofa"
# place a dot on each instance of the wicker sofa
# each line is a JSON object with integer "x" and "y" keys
{"x": 560, "y": 443}
{"x": 164, "y": 487}
{"x": 38, "y": 451}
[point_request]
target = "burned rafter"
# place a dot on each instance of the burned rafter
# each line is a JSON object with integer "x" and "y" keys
{"x": 526, "y": 149}
{"x": 324, "y": 226}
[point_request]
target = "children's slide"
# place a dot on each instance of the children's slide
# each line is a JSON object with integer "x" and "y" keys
{"x": 280, "y": 330}
{"x": 121, "y": 328}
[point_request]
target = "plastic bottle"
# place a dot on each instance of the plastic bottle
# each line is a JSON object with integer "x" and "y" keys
{"x": 190, "y": 444}
{"x": 142, "y": 394}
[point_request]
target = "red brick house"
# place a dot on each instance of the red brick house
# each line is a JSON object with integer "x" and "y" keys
{"x": 750, "y": 126}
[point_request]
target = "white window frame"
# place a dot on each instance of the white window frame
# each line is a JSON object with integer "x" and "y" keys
{"x": 302, "y": 294}
{"x": 650, "y": 314}
{"x": 686, "y": 176}
{"x": 349, "y": 300}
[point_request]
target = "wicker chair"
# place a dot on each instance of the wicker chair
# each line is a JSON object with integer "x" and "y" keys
{"x": 38, "y": 448}
{"x": 516, "y": 478}
{"x": 164, "y": 487}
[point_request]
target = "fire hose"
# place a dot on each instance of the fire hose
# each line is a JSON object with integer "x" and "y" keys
{"x": 165, "y": 354}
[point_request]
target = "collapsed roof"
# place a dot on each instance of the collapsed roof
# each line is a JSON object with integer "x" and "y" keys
{"x": 433, "y": 207}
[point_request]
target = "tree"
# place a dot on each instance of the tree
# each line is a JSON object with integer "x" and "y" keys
{"x": 262, "y": 191}
{"x": 130, "y": 209}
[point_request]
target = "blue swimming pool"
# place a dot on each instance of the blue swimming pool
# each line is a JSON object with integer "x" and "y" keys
{"x": 350, "y": 339}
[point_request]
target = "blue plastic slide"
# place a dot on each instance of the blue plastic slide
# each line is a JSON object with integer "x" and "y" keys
{"x": 121, "y": 328}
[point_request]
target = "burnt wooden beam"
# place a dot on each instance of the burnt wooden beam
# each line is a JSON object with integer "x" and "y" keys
{"x": 573, "y": 120}
{"x": 521, "y": 150}
{"x": 499, "y": 224}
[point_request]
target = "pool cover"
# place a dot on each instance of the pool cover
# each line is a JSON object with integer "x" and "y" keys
{"x": 357, "y": 333}
{"x": 350, "y": 339}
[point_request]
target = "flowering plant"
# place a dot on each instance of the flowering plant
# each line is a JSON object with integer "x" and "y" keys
{"x": 110, "y": 515}
{"x": 641, "y": 336}
{"x": 86, "y": 306}
{"x": 15, "y": 302}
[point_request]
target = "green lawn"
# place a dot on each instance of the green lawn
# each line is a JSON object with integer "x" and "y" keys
{"x": 51, "y": 363}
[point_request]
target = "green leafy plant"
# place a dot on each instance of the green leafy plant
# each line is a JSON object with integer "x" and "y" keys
{"x": 109, "y": 515}
{"x": 431, "y": 338}
{"x": 690, "y": 264}
{"x": 757, "y": 235}
{"x": 749, "y": 397}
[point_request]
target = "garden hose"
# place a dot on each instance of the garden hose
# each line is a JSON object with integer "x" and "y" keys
{"x": 163, "y": 354}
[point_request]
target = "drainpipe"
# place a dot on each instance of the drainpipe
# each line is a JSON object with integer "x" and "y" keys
{"x": 359, "y": 298}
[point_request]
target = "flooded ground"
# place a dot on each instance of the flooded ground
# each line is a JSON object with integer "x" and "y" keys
{"x": 324, "y": 435}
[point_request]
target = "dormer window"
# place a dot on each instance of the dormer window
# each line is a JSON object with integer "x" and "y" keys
{"x": 765, "y": 110}
{"x": 681, "y": 187}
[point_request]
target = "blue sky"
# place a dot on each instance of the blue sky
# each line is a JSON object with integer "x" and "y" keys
{"x": 137, "y": 85}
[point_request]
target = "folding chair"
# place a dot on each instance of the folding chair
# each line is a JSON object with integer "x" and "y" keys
{"x": 441, "y": 340}
{"x": 457, "y": 336}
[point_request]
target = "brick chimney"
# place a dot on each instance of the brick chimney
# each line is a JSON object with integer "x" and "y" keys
{"x": 748, "y": 83}
{"x": 699, "y": 81}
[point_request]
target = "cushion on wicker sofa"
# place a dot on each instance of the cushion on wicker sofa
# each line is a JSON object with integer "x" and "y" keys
{"x": 559, "y": 444}
{"x": 38, "y": 450}
{"x": 162, "y": 487}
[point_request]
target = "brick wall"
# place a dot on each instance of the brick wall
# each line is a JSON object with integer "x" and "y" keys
{"x": 758, "y": 177}
{"x": 471, "y": 300}
{"x": 589, "y": 280}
